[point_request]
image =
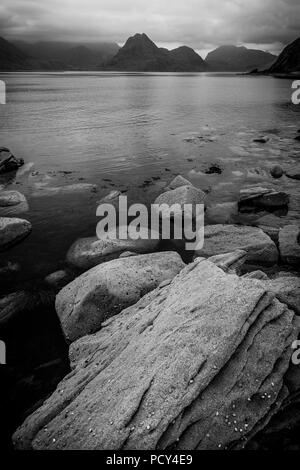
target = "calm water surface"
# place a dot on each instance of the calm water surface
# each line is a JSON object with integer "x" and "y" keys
{"x": 134, "y": 132}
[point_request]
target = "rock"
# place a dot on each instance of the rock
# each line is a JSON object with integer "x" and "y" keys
{"x": 214, "y": 168}
{"x": 86, "y": 253}
{"x": 68, "y": 189}
{"x": 103, "y": 291}
{"x": 261, "y": 140}
{"x": 287, "y": 290}
{"x": 179, "y": 181}
{"x": 12, "y": 230}
{"x": 12, "y": 202}
{"x": 293, "y": 172}
{"x": 8, "y": 162}
{"x": 256, "y": 275}
{"x": 297, "y": 137}
{"x": 259, "y": 197}
{"x": 182, "y": 195}
{"x": 289, "y": 238}
{"x": 111, "y": 198}
{"x": 59, "y": 279}
{"x": 220, "y": 239}
{"x": 276, "y": 171}
{"x": 224, "y": 213}
{"x": 8, "y": 273}
{"x": 126, "y": 254}
{"x": 184, "y": 368}
{"x": 230, "y": 262}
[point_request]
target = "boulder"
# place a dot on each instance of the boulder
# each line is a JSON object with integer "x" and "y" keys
{"x": 220, "y": 239}
{"x": 179, "y": 181}
{"x": 287, "y": 290}
{"x": 262, "y": 198}
{"x": 59, "y": 279}
{"x": 289, "y": 239}
{"x": 196, "y": 364}
{"x": 12, "y": 230}
{"x": 8, "y": 162}
{"x": 293, "y": 171}
{"x": 182, "y": 195}
{"x": 103, "y": 291}
{"x": 276, "y": 171}
{"x": 86, "y": 253}
{"x": 12, "y": 202}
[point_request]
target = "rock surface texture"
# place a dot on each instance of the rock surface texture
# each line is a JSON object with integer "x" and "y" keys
{"x": 105, "y": 290}
{"x": 289, "y": 244}
{"x": 197, "y": 363}
{"x": 12, "y": 230}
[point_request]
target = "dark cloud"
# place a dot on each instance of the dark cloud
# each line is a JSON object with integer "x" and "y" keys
{"x": 201, "y": 24}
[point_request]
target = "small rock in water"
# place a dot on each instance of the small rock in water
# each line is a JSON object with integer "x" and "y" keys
{"x": 261, "y": 140}
{"x": 276, "y": 171}
{"x": 214, "y": 168}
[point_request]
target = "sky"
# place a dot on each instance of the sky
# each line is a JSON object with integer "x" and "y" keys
{"x": 201, "y": 24}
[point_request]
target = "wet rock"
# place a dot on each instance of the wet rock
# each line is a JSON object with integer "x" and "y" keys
{"x": 287, "y": 290}
{"x": 182, "y": 195}
{"x": 289, "y": 244}
{"x": 276, "y": 171}
{"x": 220, "y": 239}
{"x": 184, "y": 368}
{"x": 261, "y": 140}
{"x": 59, "y": 279}
{"x": 12, "y": 202}
{"x": 86, "y": 253}
{"x": 103, "y": 291}
{"x": 258, "y": 197}
{"x": 179, "y": 181}
{"x": 214, "y": 168}
{"x": 230, "y": 262}
{"x": 223, "y": 213}
{"x": 8, "y": 162}
{"x": 12, "y": 230}
{"x": 293, "y": 172}
{"x": 256, "y": 275}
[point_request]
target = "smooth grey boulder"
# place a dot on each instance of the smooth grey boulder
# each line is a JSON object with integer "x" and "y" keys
{"x": 289, "y": 244}
{"x": 13, "y": 230}
{"x": 103, "y": 291}
{"x": 182, "y": 195}
{"x": 59, "y": 279}
{"x": 12, "y": 202}
{"x": 219, "y": 239}
{"x": 276, "y": 171}
{"x": 196, "y": 364}
{"x": 88, "y": 252}
{"x": 264, "y": 198}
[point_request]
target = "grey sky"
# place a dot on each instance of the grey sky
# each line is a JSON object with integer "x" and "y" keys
{"x": 201, "y": 24}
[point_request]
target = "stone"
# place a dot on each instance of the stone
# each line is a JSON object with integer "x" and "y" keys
{"x": 8, "y": 162}
{"x": 103, "y": 291}
{"x": 289, "y": 247}
{"x": 276, "y": 171}
{"x": 256, "y": 275}
{"x": 59, "y": 279}
{"x": 287, "y": 290}
{"x": 263, "y": 198}
{"x": 197, "y": 364}
{"x": 219, "y": 239}
{"x": 86, "y": 253}
{"x": 230, "y": 262}
{"x": 12, "y": 230}
{"x": 179, "y": 181}
{"x": 293, "y": 171}
{"x": 12, "y": 202}
{"x": 181, "y": 195}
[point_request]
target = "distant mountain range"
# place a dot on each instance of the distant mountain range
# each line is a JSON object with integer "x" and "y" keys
{"x": 139, "y": 53}
{"x": 238, "y": 59}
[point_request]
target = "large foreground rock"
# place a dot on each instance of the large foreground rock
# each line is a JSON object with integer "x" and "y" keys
{"x": 86, "y": 253}
{"x": 289, "y": 244}
{"x": 12, "y": 230}
{"x": 196, "y": 364}
{"x": 220, "y": 239}
{"x": 105, "y": 290}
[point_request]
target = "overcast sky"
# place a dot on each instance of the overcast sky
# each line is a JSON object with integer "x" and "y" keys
{"x": 201, "y": 24}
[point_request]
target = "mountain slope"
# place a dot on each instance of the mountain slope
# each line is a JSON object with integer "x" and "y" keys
{"x": 139, "y": 53}
{"x": 238, "y": 59}
{"x": 288, "y": 60}
{"x": 12, "y": 58}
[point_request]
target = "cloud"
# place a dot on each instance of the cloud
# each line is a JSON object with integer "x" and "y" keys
{"x": 201, "y": 24}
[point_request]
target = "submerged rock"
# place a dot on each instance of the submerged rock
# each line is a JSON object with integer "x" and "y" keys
{"x": 179, "y": 181}
{"x": 262, "y": 198}
{"x": 196, "y": 364}
{"x": 12, "y": 230}
{"x": 103, "y": 291}
{"x": 258, "y": 245}
{"x": 289, "y": 244}
{"x": 86, "y": 253}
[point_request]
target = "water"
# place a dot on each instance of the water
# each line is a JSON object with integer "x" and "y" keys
{"x": 134, "y": 132}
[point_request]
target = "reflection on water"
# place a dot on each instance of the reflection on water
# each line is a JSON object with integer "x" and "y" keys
{"x": 133, "y": 132}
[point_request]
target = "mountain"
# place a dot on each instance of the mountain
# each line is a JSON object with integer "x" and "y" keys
{"x": 70, "y": 55}
{"x": 12, "y": 58}
{"x": 288, "y": 60}
{"x": 238, "y": 59}
{"x": 139, "y": 53}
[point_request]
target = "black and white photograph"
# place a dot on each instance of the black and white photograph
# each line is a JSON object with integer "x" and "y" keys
{"x": 149, "y": 228}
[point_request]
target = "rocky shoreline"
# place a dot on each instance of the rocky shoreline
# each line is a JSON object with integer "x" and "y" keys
{"x": 155, "y": 349}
